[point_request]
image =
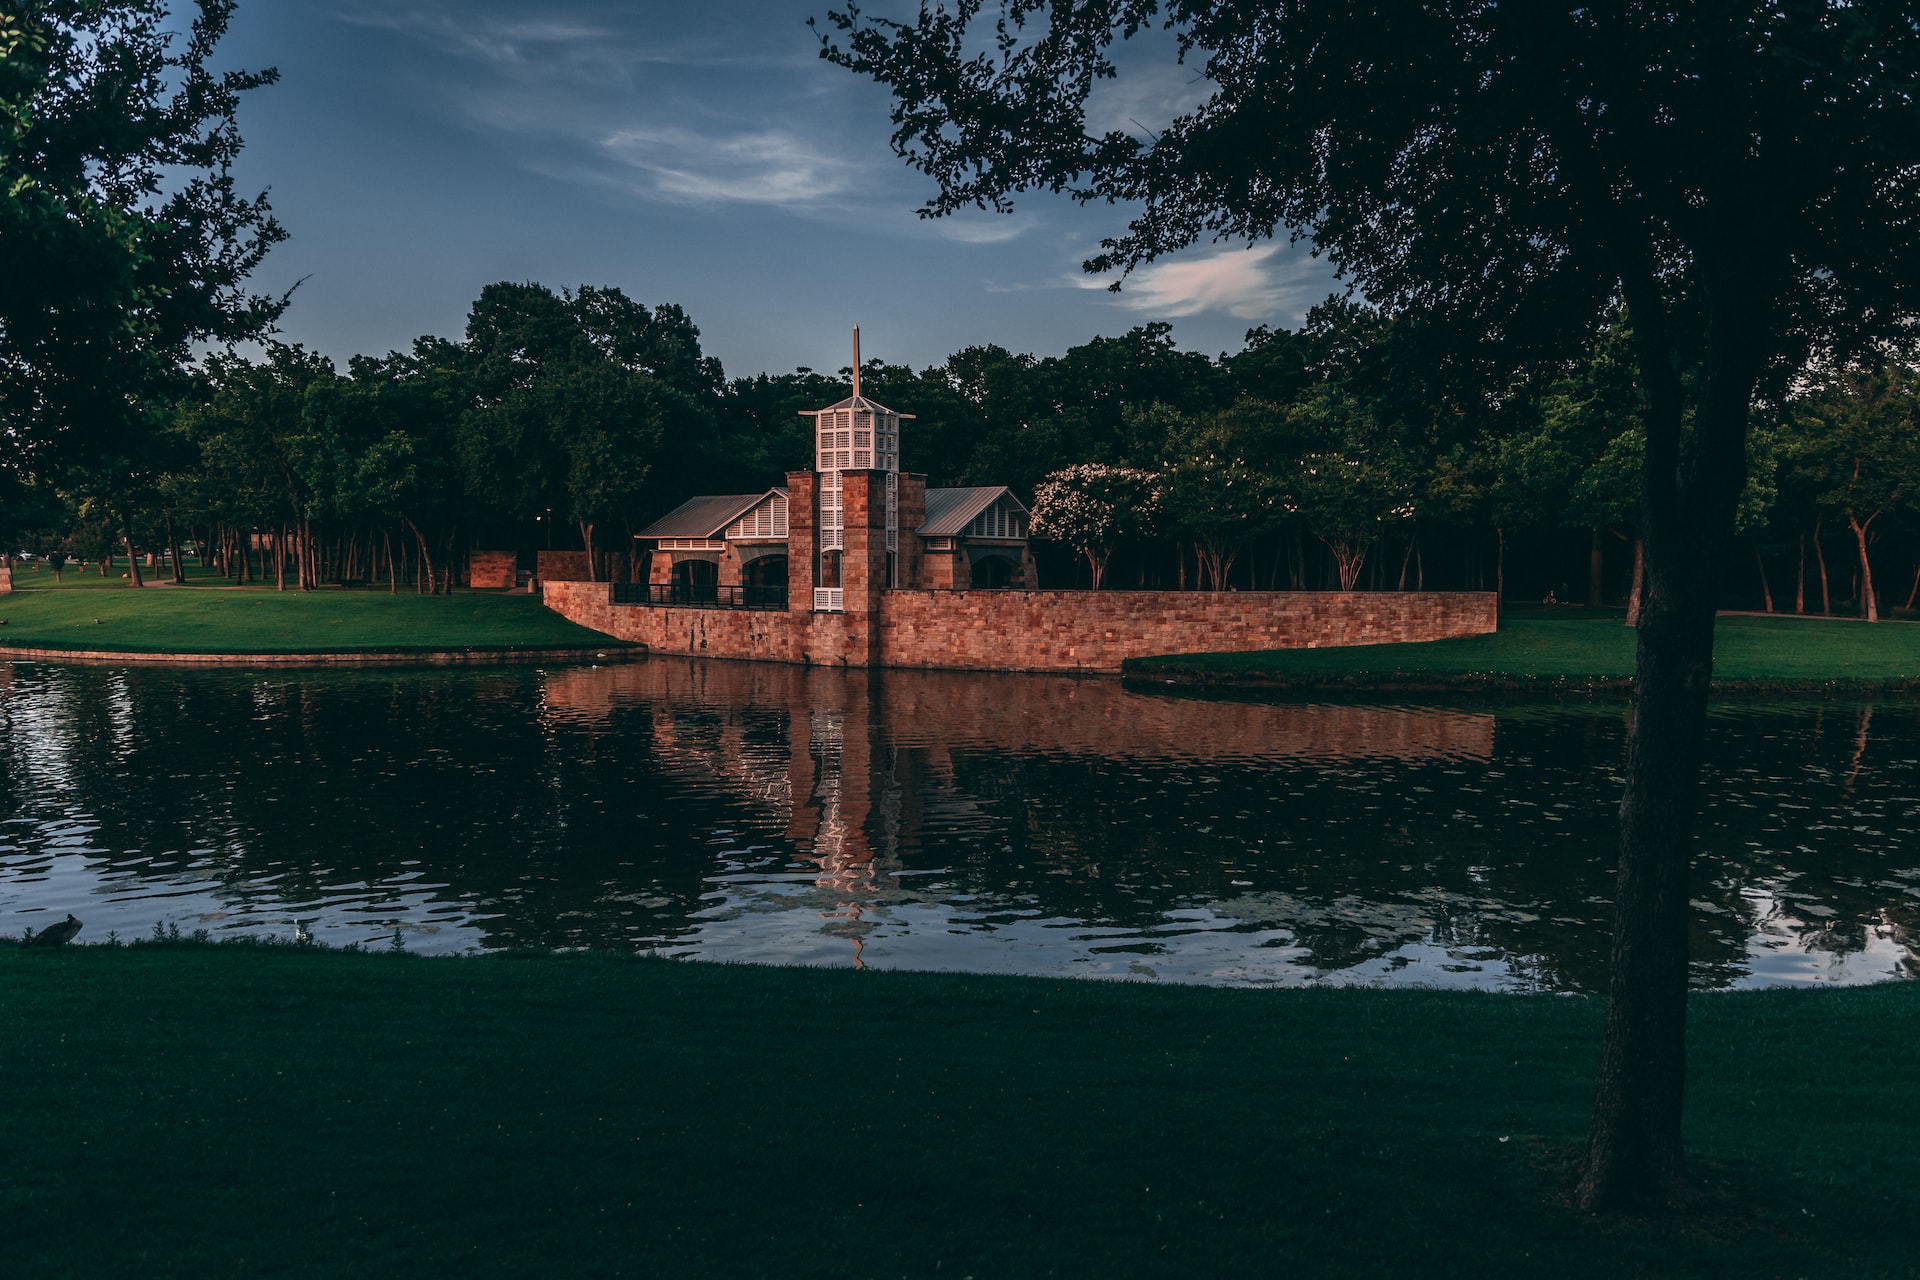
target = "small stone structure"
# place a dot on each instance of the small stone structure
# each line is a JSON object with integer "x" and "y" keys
{"x": 492, "y": 570}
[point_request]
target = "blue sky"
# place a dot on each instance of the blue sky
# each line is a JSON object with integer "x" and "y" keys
{"x": 698, "y": 154}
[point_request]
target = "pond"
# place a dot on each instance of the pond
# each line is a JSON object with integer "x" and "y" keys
{"x": 1019, "y": 824}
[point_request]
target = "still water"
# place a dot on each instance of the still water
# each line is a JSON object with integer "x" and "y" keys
{"x": 1022, "y": 824}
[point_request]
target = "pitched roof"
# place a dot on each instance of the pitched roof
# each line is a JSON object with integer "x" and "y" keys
{"x": 853, "y": 402}
{"x": 950, "y": 511}
{"x": 704, "y": 517}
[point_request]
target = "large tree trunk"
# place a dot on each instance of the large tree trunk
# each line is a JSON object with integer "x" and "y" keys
{"x": 1634, "y": 1150}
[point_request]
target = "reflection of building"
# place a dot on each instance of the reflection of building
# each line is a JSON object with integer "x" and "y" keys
{"x": 868, "y": 527}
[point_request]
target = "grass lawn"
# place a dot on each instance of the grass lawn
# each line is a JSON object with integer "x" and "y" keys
{"x": 85, "y": 611}
{"x": 1538, "y": 648}
{"x": 267, "y": 1111}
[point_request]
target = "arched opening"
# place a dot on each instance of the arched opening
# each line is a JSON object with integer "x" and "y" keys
{"x": 991, "y": 573}
{"x": 696, "y": 582}
{"x": 765, "y": 582}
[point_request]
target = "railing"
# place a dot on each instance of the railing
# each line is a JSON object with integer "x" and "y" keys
{"x": 681, "y": 595}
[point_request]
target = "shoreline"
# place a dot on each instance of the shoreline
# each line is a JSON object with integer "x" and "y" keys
{"x": 616, "y": 651}
{"x": 1145, "y": 678}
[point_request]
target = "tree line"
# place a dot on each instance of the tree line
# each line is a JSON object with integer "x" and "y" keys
{"x": 1351, "y": 453}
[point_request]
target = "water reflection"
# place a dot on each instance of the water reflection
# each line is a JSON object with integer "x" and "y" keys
{"x": 938, "y": 820}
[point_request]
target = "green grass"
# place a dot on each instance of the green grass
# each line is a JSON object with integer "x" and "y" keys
{"x": 274, "y": 1111}
{"x": 207, "y": 618}
{"x": 1591, "y": 648}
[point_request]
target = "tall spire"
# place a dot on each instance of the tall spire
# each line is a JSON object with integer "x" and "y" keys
{"x": 856, "y": 362}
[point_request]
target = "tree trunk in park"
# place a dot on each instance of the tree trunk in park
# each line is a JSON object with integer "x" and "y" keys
{"x": 586, "y": 540}
{"x": 1820, "y": 561}
{"x": 173, "y": 554}
{"x": 1634, "y": 1150}
{"x": 1596, "y": 565}
{"x": 1500, "y": 569}
{"x": 1419, "y": 568}
{"x": 1800, "y": 578}
{"x": 133, "y": 561}
{"x": 393, "y": 576}
{"x": 1869, "y": 606}
{"x": 1405, "y": 560}
{"x": 1914, "y": 592}
{"x": 1766, "y": 588}
{"x": 280, "y": 558}
{"x": 425, "y": 586}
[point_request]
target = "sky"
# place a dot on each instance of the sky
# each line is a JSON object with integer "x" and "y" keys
{"x": 418, "y": 150}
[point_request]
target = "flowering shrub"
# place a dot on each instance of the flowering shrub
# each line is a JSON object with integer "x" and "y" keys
{"x": 1091, "y": 507}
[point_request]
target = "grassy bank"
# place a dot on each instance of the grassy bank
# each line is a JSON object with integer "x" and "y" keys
{"x": 1545, "y": 649}
{"x": 219, "y": 1111}
{"x": 84, "y": 612}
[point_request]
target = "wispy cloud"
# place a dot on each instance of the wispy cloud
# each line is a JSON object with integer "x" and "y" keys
{"x": 1257, "y": 283}
{"x": 984, "y": 228}
{"x": 770, "y": 167}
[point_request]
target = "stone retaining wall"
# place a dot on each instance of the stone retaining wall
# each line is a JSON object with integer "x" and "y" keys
{"x": 1081, "y": 631}
{"x": 492, "y": 570}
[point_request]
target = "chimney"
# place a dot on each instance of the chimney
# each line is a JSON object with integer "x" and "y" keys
{"x": 856, "y": 361}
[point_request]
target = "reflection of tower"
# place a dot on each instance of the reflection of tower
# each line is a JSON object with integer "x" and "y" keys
{"x": 846, "y": 814}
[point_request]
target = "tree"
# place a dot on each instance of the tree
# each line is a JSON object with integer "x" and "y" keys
{"x": 1741, "y": 178}
{"x": 1215, "y": 488}
{"x": 1854, "y": 440}
{"x": 1348, "y": 484}
{"x": 1091, "y": 507}
{"x": 125, "y": 241}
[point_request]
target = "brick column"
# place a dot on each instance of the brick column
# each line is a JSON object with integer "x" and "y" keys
{"x": 863, "y": 495}
{"x": 800, "y": 548}
{"x": 913, "y": 514}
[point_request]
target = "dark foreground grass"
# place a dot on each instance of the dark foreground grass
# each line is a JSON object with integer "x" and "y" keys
{"x": 1577, "y": 648}
{"x": 223, "y": 1111}
{"x": 200, "y": 619}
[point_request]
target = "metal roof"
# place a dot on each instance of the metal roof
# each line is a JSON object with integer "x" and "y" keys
{"x": 853, "y": 402}
{"x": 705, "y": 517}
{"x": 950, "y": 511}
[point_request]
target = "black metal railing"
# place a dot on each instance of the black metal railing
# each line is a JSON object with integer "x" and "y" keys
{"x": 682, "y": 595}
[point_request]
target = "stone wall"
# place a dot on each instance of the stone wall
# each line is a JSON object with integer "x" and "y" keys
{"x": 562, "y": 566}
{"x": 492, "y": 570}
{"x": 1080, "y": 631}
{"x": 1096, "y": 630}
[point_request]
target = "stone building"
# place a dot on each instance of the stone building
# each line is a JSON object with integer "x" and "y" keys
{"x": 855, "y": 563}
{"x": 853, "y": 523}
